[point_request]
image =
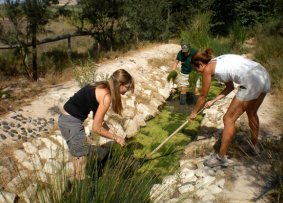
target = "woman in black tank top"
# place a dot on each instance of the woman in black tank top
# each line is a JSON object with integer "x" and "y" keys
{"x": 96, "y": 98}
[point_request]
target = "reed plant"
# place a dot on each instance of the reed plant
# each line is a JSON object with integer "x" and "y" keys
{"x": 199, "y": 36}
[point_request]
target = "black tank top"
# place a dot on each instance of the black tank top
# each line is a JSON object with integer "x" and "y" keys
{"x": 82, "y": 103}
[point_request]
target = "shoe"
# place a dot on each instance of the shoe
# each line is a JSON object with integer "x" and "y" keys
{"x": 215, "y": 161}
{"x": 183, "y": 99}
{"x": 252, "y": 149}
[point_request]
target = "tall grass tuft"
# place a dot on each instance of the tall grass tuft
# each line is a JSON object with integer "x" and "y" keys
{"x": 115, "y": 179}
{"x": 199, "y": 37}
{"x": 269, "y": 53}
{"x": 238, "y": 35}
{"x": 86, "y": 73}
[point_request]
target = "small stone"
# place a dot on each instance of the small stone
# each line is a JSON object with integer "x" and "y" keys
{"x": 3, "y": 137}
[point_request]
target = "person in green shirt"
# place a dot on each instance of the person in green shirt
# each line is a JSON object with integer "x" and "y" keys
{"x": 184, "y": 56}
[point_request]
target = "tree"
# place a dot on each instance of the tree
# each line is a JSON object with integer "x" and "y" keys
{"x": 27, "y": 19}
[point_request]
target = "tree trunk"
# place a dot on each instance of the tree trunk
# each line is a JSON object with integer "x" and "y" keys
{"x": 34, "y": 57}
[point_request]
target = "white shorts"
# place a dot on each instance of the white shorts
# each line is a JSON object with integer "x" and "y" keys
{"x": 183, "y": 80}
{"x": 257, "y": 82}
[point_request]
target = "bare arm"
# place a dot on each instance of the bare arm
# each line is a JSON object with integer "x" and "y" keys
{"x": 174, "y": 67}
{"x": 206, "y": 82}
{"x": 104, "y": 103}
{"x": 229, "y": 88}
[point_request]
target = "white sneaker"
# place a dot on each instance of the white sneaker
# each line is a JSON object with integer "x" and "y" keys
{"x": 215, "y": 160}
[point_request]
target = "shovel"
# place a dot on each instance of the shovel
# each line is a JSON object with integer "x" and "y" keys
{"x": 146, "y": 157}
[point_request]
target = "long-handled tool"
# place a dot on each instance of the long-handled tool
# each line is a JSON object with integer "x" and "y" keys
{"x": 146, "y": 158}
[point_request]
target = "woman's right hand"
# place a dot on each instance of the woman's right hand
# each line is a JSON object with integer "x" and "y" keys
{"x": 120, "y": 140}
{"x": 208, "y": 104}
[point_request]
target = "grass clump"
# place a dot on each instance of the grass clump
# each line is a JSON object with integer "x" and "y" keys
{"x": 166, "y": 160}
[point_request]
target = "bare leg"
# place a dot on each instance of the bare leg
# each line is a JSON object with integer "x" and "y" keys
{"x": 80, "y": 166}
{"x": 183, "y": 90}
{"x": 235, "y": 110}
{"x": 251, "y": 111}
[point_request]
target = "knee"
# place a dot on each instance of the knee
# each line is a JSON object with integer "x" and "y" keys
{"x": 227, "y": 120}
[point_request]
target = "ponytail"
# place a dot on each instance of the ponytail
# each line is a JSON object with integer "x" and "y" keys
{"x": 203, "y": 57}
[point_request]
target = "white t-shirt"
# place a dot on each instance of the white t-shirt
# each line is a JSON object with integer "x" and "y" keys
{"x": 250, "y": 75}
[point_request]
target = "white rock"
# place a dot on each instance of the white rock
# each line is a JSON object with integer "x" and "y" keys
{"x": 51, "y": 166}
{"x": 36, "y": 142}
{"x": 214, "y": 189}
{"x": 28, "y": 165}
{"x": 18, "y": 180}
{"x": 20, "y": 155}
{"x": 61, "y": 140}
{"x": 35, "y": 159}
{"x": 206, "y": 181}
{"x": 49, "y": 144}
{"x": 116, "y": 127}
{"x": 201, "y": 193}
{"x": 184, "y": 163}
{"x": 130, "y": 103}
{"x": 140, "y": 120}
{"x": 7, "y": 197}
{"x": 164, "y": 68}
{"x": 220, "y": 183}
{"x": 41, "y": 176}
{"x": 69, "y": 169}
{"x": 46, "y": 153}
{"x": 145, "y": 111}
{"x": 128, "y": 113}
{"x": 147, "y": 93}
{"x": 186, "y": 188}
{"x": 208, "y": 198}
{"x": 131, "y": 127}
{"x": 170, "y": 180}
{"x": 63, "y": 156}
{"x": 29, "y": 194}
{"x": 164, "y": 92}
{"x": 30, "y": 148}
{"x": 160, "y": 192}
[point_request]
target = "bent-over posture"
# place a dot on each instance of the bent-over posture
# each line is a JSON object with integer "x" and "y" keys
{"x": 97, "y": 98}
{"x": 254, "y": 83}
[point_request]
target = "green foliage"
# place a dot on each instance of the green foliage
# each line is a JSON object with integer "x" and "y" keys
{"x": 9, "y": 65}
{"x": 55, "y": 60}
{"x": 148, "y": 19}
{"x": 198, "y": 35}
{"x": 182, "y": 11}
{"x": 113, "y": 180}
{"x": 27, "y": 18}
{"x": 86, "y": 73}
{"x": 166, "y": 159}
{"x": 247, "y": 13}
{"x": 193, "y": 77}
{"x": 238, "y": 34}
{"x": 253, "y": 11}
{"x": 172, "y": 76}
{"x": 269, "y": 52}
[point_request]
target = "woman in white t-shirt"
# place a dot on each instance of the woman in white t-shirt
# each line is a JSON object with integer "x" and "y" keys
{"x": 254, "y": 83}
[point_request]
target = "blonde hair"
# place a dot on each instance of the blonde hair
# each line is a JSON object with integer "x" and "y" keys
{"x": 118, "y": 78}
{"x": 203, "y": 57}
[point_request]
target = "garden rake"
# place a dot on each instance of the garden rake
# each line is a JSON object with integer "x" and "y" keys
{"x": 146, "y": 157}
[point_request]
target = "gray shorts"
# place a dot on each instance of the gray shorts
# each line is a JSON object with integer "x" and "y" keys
{"x": 72, "y": 130}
